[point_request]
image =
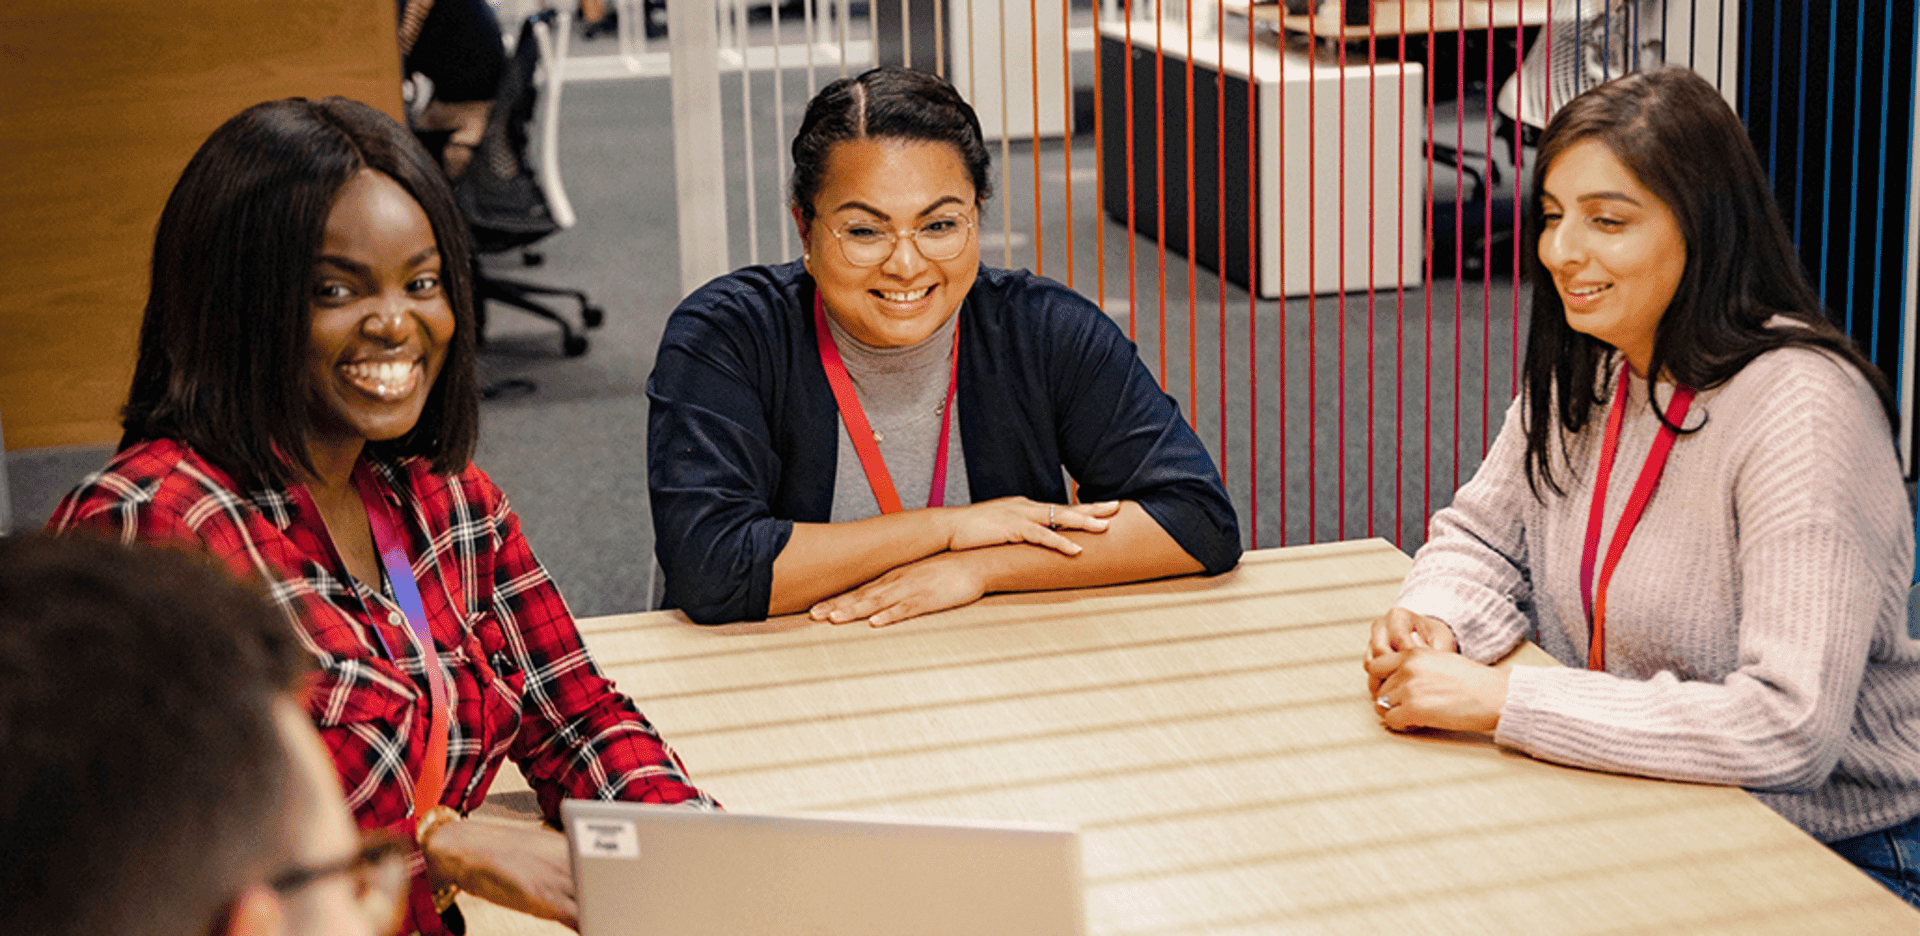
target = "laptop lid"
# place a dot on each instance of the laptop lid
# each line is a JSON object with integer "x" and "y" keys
{"x": 645, "y": 869}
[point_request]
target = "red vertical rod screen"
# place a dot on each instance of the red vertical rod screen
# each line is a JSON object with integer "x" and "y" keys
{"x": 1400, "y": 303}
{"x": 1426, "y": 447}
{"x": 1280, "y": 252}
{"x": 1099, "y": 171}
{"x": 1313, "y": 287}
{"x": 1220, "y": 218}
{"x": 1459, "y": 230}
{"x": 1520, "y": 188}
{"x": 1133, "y": 306}
{"x": 1340, "y": 307}
{"x": 1160, "y": 180}
{"x": 1066, "y": 89}
{"x": 1253, "y": 304}
{"x": 1486, "y": 265}
{"x": 1033, "y": 143}
{"x": 1373, "y": 188}
{"x": 1193, "y": 295}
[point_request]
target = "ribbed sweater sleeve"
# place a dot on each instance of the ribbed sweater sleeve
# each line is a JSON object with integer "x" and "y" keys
{"x": 1756, "y": 623}
{"x": 1473, "y": 572}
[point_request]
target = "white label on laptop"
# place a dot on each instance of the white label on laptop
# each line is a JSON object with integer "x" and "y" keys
{"x": 606, "y": 838}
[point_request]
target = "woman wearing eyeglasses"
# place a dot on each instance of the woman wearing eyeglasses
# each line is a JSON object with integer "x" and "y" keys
{"x": 879, "y": 430}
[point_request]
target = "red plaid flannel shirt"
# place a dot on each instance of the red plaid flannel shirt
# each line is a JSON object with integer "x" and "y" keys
{"x": 521, "y": 682}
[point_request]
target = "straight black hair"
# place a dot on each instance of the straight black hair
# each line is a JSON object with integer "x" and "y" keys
{"x": 888, "y": 103}
{"x": 1678, "y": 137}
{"x": 226, "y": 324}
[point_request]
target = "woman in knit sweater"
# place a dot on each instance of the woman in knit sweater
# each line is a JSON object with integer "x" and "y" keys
{"x": 1730, "y": 604}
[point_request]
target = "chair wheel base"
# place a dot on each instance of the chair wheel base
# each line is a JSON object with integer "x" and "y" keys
{"x": 575, "y": 345}
{"x": 592, "y": 316}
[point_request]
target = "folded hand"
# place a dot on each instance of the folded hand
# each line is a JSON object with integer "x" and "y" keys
{"x": 940, "y": 581}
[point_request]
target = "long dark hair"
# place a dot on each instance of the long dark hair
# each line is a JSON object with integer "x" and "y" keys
{"x": 226, "y": 326}
{"x": 1679, "y": 138}
{"x": 888, "y": 102}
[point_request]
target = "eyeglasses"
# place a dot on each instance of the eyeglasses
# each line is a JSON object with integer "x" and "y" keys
{"x": 868, "y": 243}
{"x": 379, "y": 873}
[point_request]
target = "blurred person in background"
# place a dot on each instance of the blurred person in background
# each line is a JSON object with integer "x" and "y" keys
{"x": 159, "y": 777}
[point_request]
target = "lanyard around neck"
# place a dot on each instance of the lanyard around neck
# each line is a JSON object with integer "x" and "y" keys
{"x": 1593, "y": 596}
{"x": 864, "y": 441}
{"x": 385, "y": 521}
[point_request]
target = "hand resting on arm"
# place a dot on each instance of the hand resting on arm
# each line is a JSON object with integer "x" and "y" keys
{"x": 1133, "y": 547}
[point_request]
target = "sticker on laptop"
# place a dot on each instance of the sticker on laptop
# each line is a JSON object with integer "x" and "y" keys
{"x": 606, "y": 838}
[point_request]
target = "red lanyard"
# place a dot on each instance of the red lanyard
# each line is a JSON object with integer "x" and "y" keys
{"x": 861, "y": 432}
{"x": 1593, "y": 598}
{"x": 393, "y": 555}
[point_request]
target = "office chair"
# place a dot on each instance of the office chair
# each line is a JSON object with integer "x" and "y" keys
{"x": 1579, "y": 51}
{"x": 508, "y": 203}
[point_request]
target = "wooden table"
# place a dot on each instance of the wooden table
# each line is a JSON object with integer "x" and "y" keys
{"x": 1214, "y": 741}
{"x": 1418, "y": 16}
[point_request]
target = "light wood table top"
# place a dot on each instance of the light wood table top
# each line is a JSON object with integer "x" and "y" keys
{"x": 1214, "y": 741}
{"x": 1413, "y": 17}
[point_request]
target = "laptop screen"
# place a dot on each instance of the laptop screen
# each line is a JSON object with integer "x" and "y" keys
{"x": 646, "y": 869}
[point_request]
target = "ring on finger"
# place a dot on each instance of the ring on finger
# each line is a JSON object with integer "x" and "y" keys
{"x": 1383, "y": 705}
{"x": 1050, "y": 524}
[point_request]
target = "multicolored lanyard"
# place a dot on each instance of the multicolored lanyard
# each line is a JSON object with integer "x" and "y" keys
{"x": 864, "y": 441}
{"x": 385, "y": 521}
{"x": 1593, "y": 597}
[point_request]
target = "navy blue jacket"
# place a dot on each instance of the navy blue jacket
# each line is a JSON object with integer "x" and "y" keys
{"x": 743, "y": 433}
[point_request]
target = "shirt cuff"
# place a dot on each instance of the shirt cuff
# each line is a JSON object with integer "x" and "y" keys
{"x": 1520, "y": 716}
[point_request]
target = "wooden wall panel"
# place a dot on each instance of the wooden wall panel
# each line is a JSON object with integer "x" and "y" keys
{"x": 101, "y": 106}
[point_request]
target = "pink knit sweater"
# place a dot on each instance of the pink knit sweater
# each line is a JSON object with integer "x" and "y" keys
{"x": 1756, "y": 624}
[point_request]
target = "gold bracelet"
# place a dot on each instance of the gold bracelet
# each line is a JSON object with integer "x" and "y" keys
{"x": 423, "y": 829}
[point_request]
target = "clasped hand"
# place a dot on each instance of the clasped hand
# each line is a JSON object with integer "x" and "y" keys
{"x": 1418, "y": 678}
{"x": 960, "y": 575}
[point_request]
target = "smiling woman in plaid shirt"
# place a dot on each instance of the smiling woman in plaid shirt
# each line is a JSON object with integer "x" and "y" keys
{"x": 305, "y": 408}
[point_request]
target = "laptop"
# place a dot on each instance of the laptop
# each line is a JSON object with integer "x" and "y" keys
{"x": 644, "y": 870}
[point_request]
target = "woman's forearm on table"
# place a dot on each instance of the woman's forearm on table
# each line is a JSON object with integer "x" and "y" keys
{"x": 822, "y": 560}
{"x": 1134, "y": 548}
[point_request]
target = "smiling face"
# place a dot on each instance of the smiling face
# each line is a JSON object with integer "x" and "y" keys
{"x": 1615, "y": 250}
{"x": 897, "y": 185}
{"x": 379, "y": 322}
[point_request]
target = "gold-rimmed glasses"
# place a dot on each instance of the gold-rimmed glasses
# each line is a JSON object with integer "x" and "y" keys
{"x": 865, "y": 242}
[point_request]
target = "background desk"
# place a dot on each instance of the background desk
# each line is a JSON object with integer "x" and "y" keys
{"x": 1338, "y": 204}
{"x": 1214, "y": 741}
{"x": 1392, "y": 18}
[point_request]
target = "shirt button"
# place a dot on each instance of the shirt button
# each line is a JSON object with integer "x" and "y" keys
{"x": 396, "y": 619}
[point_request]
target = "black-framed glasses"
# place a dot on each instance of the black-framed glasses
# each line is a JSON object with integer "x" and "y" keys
{"x": 865, "y": 242}
{"x": 379, "y": 873}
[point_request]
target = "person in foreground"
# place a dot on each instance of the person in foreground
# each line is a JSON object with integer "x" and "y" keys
{"x": 304, "y": 408}
{"x": 160, "y": 778}
{"x": 1695, "y": 503}
{"x": 968, "y": 390}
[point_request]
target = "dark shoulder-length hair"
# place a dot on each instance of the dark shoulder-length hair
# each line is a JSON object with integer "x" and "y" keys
{"x": 1678, "y": 137}
{"x": 226, "y": 325}
{"x": 886, "y": 103}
